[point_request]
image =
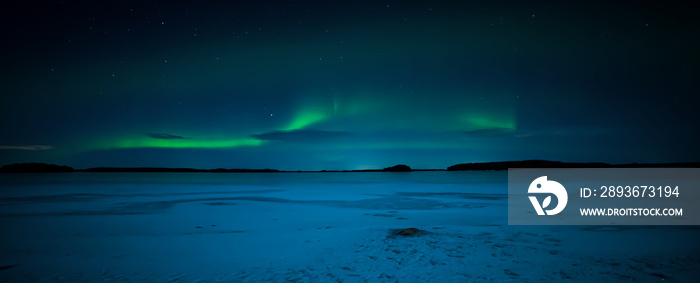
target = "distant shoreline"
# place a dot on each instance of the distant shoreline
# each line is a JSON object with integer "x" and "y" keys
{"x": 482, "y": 166}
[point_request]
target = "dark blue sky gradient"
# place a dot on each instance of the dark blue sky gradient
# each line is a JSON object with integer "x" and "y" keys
{"x": 347, "y": 84}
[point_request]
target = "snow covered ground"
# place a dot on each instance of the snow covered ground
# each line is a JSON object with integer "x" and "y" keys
{"x": 310, "y": 227}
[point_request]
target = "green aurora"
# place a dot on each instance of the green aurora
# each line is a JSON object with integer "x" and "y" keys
{"x": 344, "y": 86}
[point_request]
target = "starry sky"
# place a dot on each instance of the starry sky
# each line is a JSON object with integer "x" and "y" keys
{"x": 311, "y": 85}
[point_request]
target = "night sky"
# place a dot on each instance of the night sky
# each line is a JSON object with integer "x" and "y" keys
{"x": 347, "y": 84}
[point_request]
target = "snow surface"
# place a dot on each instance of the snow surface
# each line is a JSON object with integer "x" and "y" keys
{"x": 310, "y": 227}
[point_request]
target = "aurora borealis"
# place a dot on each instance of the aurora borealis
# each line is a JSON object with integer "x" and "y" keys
{"x": 317, "y": 85}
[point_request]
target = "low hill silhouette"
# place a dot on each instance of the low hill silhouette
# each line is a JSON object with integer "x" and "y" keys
{"x": 504, "y": 165}
{"x": 34, "y": 168}
{"x": 397, "y": 168}
{"x": 174, "y": 170}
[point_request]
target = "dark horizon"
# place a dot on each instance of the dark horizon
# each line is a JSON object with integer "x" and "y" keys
{"x": 35, "y": 167}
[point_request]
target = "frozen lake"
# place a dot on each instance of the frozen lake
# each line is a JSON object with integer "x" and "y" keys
{"x": 310, "y": 227}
